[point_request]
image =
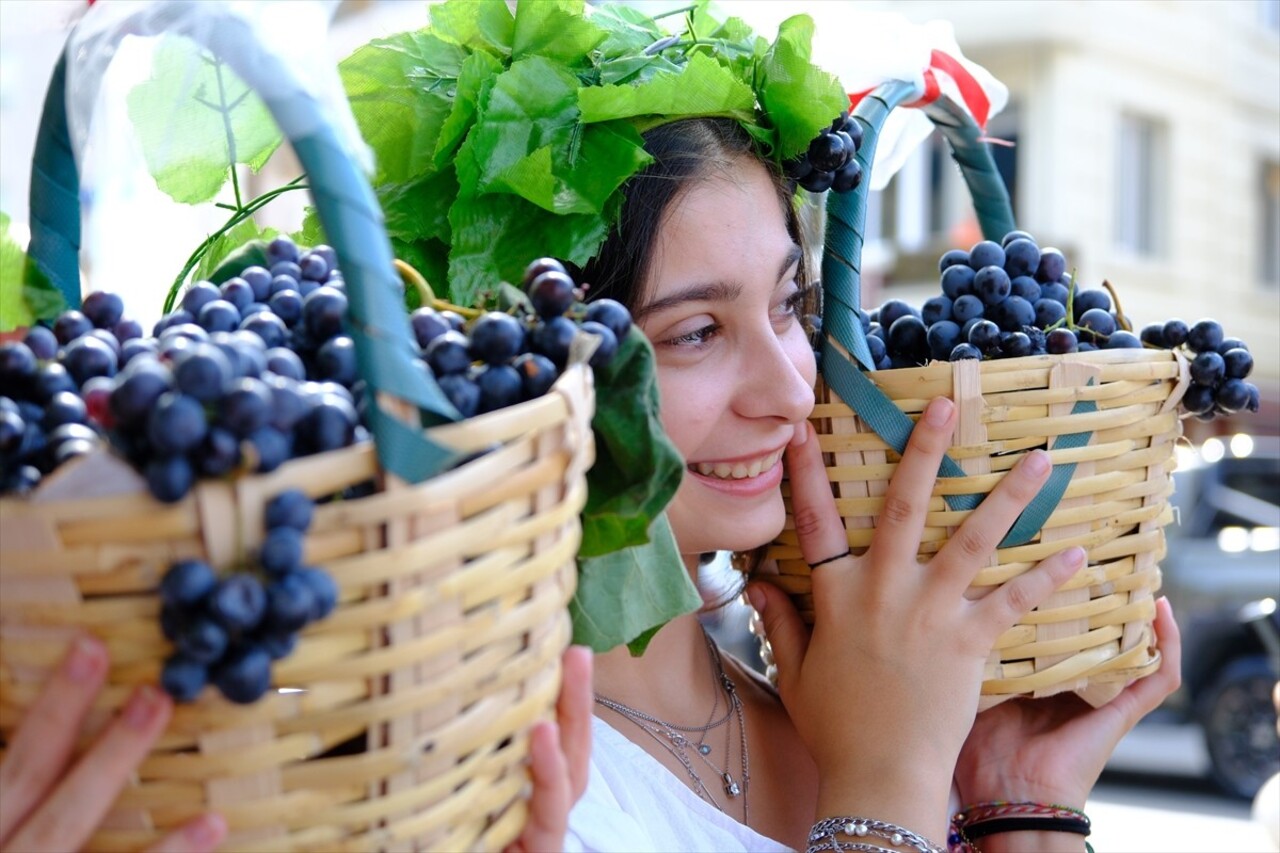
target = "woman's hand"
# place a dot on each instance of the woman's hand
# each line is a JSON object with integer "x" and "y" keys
{"x": 49, "y": 802}
{"x": 1052, "y": 750}
{"x": 559, "y": 753}
{"x": 885, "y": 690}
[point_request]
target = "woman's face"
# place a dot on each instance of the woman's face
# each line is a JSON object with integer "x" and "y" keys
{"x": 722, "y": 308}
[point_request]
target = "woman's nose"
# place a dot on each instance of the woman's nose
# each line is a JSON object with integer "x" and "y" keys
{"x": 776, "y": 379}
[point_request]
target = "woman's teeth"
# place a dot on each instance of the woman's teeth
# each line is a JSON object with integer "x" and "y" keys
{"x": 737, "y": 470}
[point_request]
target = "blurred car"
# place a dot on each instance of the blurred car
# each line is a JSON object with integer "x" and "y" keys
{"x": 1222, "y": 577}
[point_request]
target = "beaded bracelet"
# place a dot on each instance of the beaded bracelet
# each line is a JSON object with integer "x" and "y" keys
{"x": 823, "y": 836}
{"x": 983, "y": 819}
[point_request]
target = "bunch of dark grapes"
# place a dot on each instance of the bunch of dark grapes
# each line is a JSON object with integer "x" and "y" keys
{"x": 830, "y": 163}
{"x": 226, "y": 630}
{"x": 500, "y": 358}
{"x": 1013, "y": 299}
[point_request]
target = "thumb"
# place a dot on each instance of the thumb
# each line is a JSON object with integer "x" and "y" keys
{"x": 786, "y": 632}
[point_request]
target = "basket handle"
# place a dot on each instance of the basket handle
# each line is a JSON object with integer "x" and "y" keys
{"x": 346, "y": 205}
{"x": 842, "y": 369}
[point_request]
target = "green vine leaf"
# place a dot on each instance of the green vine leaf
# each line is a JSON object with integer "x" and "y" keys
{"x": 196, "y": 121}
{"x": 25, "y": 294}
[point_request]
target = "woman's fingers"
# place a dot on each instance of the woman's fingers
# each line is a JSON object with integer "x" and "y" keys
{"x": 573, "y": 710}
{"x": 1008, "y": 603}
{"x": 906, "y": 502}
{"x": 551, "y": 799}
{"x": 69, "y": 815}
{"x": 784, "y": 629}
{"x": 818, "y": 524}
{"x": 44, "y": 742}
{"x": 198, "y": 835}
{"x": 1144, "y": 695}
{"x": 973, "y": 543}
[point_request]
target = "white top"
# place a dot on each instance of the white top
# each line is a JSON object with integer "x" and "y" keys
{"x": 635, "y": 804}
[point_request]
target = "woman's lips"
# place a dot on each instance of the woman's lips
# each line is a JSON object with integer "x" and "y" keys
{"x": 766, "y": 480}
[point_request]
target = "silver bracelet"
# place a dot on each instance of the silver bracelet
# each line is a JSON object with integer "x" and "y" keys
{"x": 824, "y": 832}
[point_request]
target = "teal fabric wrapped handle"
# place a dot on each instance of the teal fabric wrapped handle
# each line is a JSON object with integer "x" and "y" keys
{"x": 345, "y": 203}
{"x": 842, "y": 291}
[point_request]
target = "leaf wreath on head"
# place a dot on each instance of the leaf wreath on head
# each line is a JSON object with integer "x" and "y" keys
{"x": 501, "y": 136}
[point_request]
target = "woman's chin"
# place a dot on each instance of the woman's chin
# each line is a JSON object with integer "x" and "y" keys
{"x": 700, "y": 526}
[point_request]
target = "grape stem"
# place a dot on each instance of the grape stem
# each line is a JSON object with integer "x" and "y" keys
{"x": 1115, "y": 299}
{"x": 240, "y": 215}
{"x": 444, "y": 305}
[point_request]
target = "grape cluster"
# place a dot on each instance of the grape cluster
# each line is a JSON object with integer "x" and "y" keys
{"x": 240, "y": 377}
{"x": 502, "y": 358}
{"x": 226, "y": 630}
{"x": 1013, "y": 299}
{"x": 830, "y": 162}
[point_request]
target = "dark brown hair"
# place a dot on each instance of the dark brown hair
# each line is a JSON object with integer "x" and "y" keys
{"x": 683, "y": 152}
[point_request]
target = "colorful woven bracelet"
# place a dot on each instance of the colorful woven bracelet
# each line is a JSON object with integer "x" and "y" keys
{"x": 983, "y": 819}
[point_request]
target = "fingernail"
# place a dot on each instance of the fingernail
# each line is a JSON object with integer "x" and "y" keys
{"x": 802, "y": 434}
{"x": 86, "y": 659}
{"x": 1037, "y": 463}
{"x": 1075, "y": 557}
{"x": 143, "y": 707}
{"x": 939, "y": 412}
{"x": 757, "y": 598}
{"x": 206, "y": 830}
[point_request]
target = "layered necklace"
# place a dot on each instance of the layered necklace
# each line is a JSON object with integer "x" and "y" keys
{"x": 685, "y": 742}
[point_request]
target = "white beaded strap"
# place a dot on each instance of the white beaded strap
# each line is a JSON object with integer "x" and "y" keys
{"x": 824, "y": 832}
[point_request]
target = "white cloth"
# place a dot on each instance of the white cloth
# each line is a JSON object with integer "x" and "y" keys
{"x": 633, "y": 804}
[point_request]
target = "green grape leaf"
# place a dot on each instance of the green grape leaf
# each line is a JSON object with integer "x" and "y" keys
{"x": 196, "y": 120}
{"x": 625, "y": 596}
{"x": 474, "y": 81}
{"x": 799, "y": 98}
{"x": 243, "y": 245}
{"x": 556, "y": 30}
{"x": 401, "y": 91}
{"x": 703, "y": 87}
{"x": 631, "y": 448}
{"x": 26, "y": 295}
{"x": 485, "y": 25}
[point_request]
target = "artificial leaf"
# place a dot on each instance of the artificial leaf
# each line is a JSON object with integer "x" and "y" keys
{"x": 401, "y": 91}
{"x": 627, "y": 31}
{"x": 631, "y": 448}
{"x": 26, "y": 295}
{"x": 484, "y": 25}
{"x": 418, "y": 210}
{"x": 703, "y": 87}
{"x": 556, "y": 30}
{"x": 624, "y": 596}
{"x": 196, "y": 120}
{"x": 243, "y": 245}
{"x": 798, "y": 97}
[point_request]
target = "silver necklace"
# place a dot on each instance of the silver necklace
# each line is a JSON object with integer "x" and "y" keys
{"x": 676, "y": 740}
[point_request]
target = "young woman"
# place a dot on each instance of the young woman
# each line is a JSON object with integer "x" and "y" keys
{"x": 874, "y": 716}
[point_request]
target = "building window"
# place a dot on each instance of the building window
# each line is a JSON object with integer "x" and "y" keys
{"x": 1269, "y": 236}
{"x": 1140, "y": 170}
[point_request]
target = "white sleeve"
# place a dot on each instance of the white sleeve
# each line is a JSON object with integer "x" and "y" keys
{"x": 599, "y": 823}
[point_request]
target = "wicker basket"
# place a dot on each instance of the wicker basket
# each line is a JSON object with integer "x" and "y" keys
{"x": 446, "y": 643}
{"x": 1108, "y": 419}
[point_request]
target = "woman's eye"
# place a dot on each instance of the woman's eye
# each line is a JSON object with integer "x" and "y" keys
{"x": 698, "y": 337}
{"x": 792, "y": 305}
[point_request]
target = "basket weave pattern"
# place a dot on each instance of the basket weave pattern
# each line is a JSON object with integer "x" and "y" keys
{"x": 1093, "y": 635}
{"x": 444, "y": 648}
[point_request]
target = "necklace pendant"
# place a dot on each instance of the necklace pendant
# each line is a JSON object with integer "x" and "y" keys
{"x": 730, "y": 786}
{"x": 704, "y": 748}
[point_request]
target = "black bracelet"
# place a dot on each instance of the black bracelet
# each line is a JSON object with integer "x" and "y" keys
{"x": 846, "y": 553}
{"x": 997, "y": 825}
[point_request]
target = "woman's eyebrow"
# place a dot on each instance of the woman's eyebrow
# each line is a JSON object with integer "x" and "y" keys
{"x": 714, "y": 291}
{"x": 792, "y": 258}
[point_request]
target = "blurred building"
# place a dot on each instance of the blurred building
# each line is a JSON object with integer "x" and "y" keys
{"x": 1145, "y": 144}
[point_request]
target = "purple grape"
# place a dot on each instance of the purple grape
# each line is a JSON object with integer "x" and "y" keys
{"x": 985, "y": 335}
{"x": 1152, "y": 334}
{"x": 1060, "y": 342}
{"x": 86, "y": 357}
{"x": 283, "y": 361}
{"x": 1208, "y": 368}
{"x": 202, "y": 371}
{"x": 1015, "y": 235}
{"x": 42, "y": 342}
{"x": 219, "y": 316}
{"x": 893, "y": 309}
{"x": 1123, "y": 339}
{"x": 291, "y": 508}
{"x": 202, "y": 640}
{"x": 463, "y": 393}
{"x": 1175, "y": 333}
{"x": 259, "y": 280}
{"x": 126, "y": 330}
{"x": 313, "y": 267}
{"x": 614, "y": 316}
{"x": 951, "y": 258}
{"x": 1052, "y": 266}
{"x": 847, "y": 177}
{"x": 199, "y": 295}
{"x": 137, "y": 390}
{"x": 496, "y": 338}
{"x": 187, "y": 582}
{"x": 169, "y": 478}
{"x": 537, "y": 374}
{"x": 1095, "y": 323}
{"x": 1048, "y": 312}
{"x": 71, "y": 325}
{"x": 287, "y": 305}
{"x": 1056, "y": 291}
{"x": 1090, "y": 300}
{"x": 1205, "y": 336}
{"x": 909, "y": 340}
{"x": 244, "y": 675}
{"x": 65, "y": 407}
{"x": 450, "y": 353}
{"x": 551, "y": 294}
{"x": 1237, "y": 362}
{"x": 967, "y": 307}
{"x": 177, "y": 423}
{"x": 1015, "y": 345}
{"x": 606, "y": 349}
{"x": 329, "y": 425}
{"x": 282, "y": 249}
{"x": 323, "y": 313}
{"x": 18, "y": 368}
{"x": 290, "y": 603}
{"x": 183, "y": 678}
{"x": 942, "y": 337}
{"x": 289, "y": 269}
{"x": 1022, "y": 257}
{"x": 336, "y": 361}
{"x": 992, "y": 284}
{"x": 936, "y": 308}
{"x": 1018, "y": 312}
{"x": 427, "y": 325}
{"x": 238, "y": 292}
{"x": 267, "y": 326}
{"x": 964, "y": 351}
{"x": 986, "y": 254}
{"x": 323, "y": 591}
{"x": 1198, "y": 399}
